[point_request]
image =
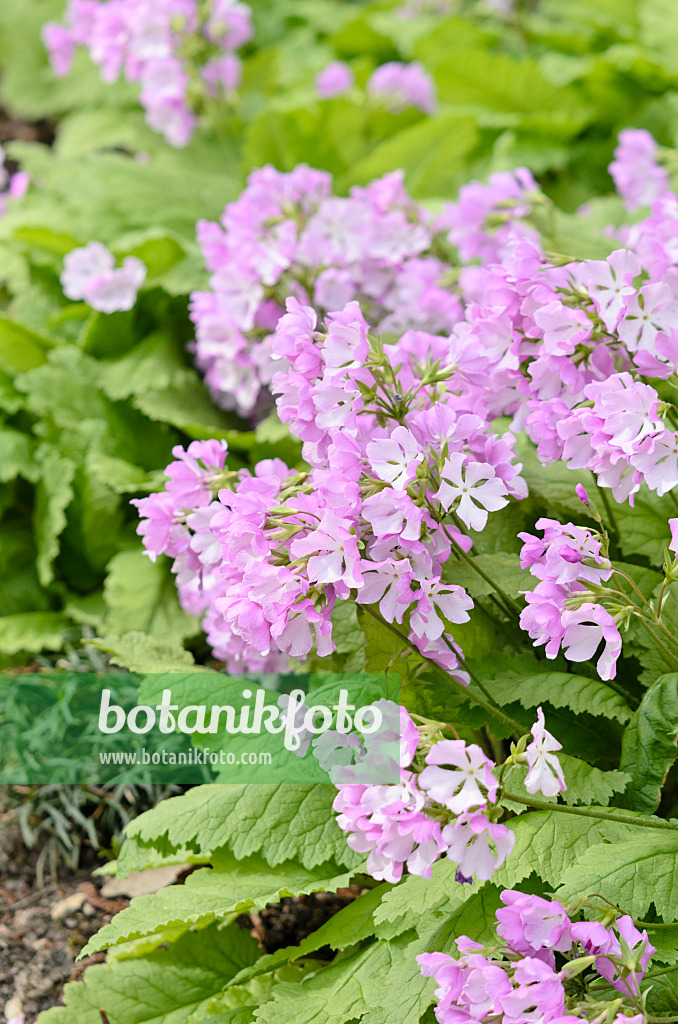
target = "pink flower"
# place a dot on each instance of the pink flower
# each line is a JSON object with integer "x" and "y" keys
{"x": 469, "y": 787}
{"x": 545, "y": 774}
{"x": 60, "y": 46}
{"x": 395, "y": 458}
{"x": 651, "y": 312}
{"x": 334, "y": 80}
{"x": 583, "y": 631}
{"x": 637, "y": 177}
{"x": 433, "y": 597}
{"x": 333, "y": 547}
{"x": 542, "y": 618}
{"x": 530, "y": 924}
{"x": 475, "y": 485}
{"x": 387, "y": 583}
{"x": 478, "y": 846}
{"x": 400, "y": 86}
{"x": 89, "y": 273}
{"x": 539, "y": 994}
{"x": 609, "y": 283}
{"x": 673, "y": 526}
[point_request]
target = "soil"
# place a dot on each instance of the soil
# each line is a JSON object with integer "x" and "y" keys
{"x": 43, "y": 929}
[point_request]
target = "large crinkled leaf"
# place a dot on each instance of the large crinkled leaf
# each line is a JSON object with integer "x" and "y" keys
{"x": 643, "y": 529}
{"x": 139, "y": 652}
{"x": 579, "y": 693}
{"x": 632, "y": 873}
{"x": 53, "y": 496}
{"x": 164, "y": 987}
{"x": 141, "y": 596}
{"x": 32, "y": 632}
{"x": 16, "y": 455}
{"x": 336, "y": 994}
{"x": 185, "y": 403}
{"x": 649, "y": 745}
{"x": 432, "y": 153}
{"x": 216, "y": 893}
{"x": 282, "y": 822}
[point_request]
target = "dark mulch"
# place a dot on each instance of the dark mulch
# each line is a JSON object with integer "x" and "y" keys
{"x": 42, "y": 930}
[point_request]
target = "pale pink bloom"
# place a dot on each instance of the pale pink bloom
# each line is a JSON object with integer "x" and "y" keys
{"x": 400, "y": 86}
{"x": 583, "y": 631}
{"x": 468, "y": 785}
{"x": 673, "y": 526}
{"x": 478, "y": 846}
{"x": 530, "y": 924}
{"x": 333, "y": 547}
{"x": 395, "y": 458}
{"x": 651, "y": 311}
{"x": 387, "y": 583}
{"x": 334, "y": 80}
{"x": 476, "y": 486}
{"x": 433, "y": 597}
{"x": 609, "y": 283}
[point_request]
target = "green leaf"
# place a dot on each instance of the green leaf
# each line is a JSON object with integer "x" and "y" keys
{"x": 644, "y": 529}
{"x": 32, "y": 632}
{"x": 217, "y": 893}
{"x": 504, "y": 569}
{"x": 341, "y": 992}
{"x": 431, "y": 153}
{"x": 16, "y": 451}
{"x": 156, "y": 248}
{"x": 20, "y": 348}
{"x": 632, "y": 873}
{"x": 141, "y": 596}
{"x": 166, "y": 986}
{"x": 649, "y": 744}
{"x": 281, "y": 822}
{"x": 139, "y": 652}
{"x": 562, "y": 690}
{"x": 186, "y": 404}
{"x": 152, "y": 364}
{"x": 347, "y": 927}
{"x": 54, "y": 494}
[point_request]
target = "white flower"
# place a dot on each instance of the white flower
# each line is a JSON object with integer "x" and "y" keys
{"x": 545, "y": 774}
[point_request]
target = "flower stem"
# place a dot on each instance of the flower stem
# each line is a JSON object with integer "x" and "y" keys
{"x": 496, "y": 712}
{"x": 624, "y": 819}
{"x": 509, "y": 601}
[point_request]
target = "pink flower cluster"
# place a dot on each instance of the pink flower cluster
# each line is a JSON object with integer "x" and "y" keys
{"x": 516, "y": 980}
{"x": 400, "y": 456}
{"x": 443, "y": 810}
{"x": 637, "y": 176}
{"x": 562, "y": 611}
{"x": 288, "y": 235}
{"x": 175, "y": 49}
{"x": 394, "y": 86}
{"x": 398, "y": 466}
{"x": 90, "y": 274}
